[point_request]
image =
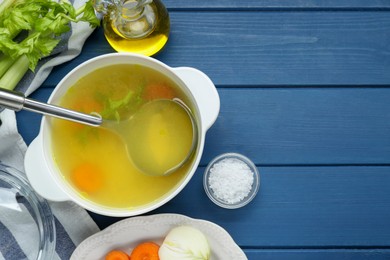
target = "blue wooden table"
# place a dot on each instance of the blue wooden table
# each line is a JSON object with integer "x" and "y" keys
{"x": 304, "y": 88}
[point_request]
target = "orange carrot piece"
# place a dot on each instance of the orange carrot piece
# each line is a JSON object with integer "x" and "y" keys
{"x": 158, "y": 91}
{"x": 87, "y": 177}
{"x": 145, "y": 251}
{"x": 117, "y": 255}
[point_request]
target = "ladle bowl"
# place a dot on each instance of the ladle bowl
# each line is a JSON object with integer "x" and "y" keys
{"x": 167, "y": 154}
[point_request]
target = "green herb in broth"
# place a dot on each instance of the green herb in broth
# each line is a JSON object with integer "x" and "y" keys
{"x": 85, "y": 133}
{"x": 129, "y": 103}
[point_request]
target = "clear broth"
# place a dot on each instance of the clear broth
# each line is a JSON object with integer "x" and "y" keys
{"x": 93, "y": 160}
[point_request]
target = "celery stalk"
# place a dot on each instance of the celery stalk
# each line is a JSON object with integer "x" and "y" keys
{"x": 5, "y": 63}
{"x": 45, "y": 21}
{"x": 15, "y": 73}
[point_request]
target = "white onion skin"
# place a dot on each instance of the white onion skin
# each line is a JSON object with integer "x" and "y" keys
{"x": 185, "y": 243}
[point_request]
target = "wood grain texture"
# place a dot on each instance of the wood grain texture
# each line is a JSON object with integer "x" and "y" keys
{"x": 272, "y": 48}
{"x": 303, "y": 126}
{"x": 325, "y": 254}
{"x": 278, "y": 4}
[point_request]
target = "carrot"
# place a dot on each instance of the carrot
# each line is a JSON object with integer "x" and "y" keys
{"x": 117, "y": 255}
{"x": 86, "y": 104}
{"x": 158, "y": 91}
{"x": 145, "y": 251}
{"x": 87, "y": 177}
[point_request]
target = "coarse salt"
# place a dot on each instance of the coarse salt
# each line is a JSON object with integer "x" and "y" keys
{"x": 231, "y": 180}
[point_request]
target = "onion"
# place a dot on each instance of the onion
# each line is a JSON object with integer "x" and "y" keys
{"x": 185, "y": 243}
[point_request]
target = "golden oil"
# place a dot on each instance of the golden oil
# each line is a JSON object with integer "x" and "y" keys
{"x": 138, "y": 29}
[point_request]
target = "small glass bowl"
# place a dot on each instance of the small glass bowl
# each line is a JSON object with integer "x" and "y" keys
{"x": 24, "y": 213}
{"x": 253, "y": 190}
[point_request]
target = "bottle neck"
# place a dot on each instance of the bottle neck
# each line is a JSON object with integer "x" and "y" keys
{"x": 133, "y": 9}
{"x": 129, "y": 18}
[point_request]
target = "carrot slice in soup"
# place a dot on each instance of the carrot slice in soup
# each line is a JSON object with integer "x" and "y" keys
{"x": 145, "y": 251}
{"x": 87, "y": 177}
{"x": 158, "y": 91}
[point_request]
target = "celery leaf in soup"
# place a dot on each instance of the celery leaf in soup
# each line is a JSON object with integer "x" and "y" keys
{"x": 120, "y": 109}
{"x": 113, "y": 109}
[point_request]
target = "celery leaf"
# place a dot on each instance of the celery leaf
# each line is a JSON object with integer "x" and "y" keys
{"x": 45, "y": 20}
{"x": 89, "y": 15}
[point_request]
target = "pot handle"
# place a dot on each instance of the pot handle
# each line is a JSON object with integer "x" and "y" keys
{"x": 38, "y": 173}
{"x": 204, "y": 92}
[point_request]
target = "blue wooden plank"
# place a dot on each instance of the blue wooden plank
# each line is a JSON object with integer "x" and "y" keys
{"x": 362, "y": 254}
{"x": 295, "y": 126}
{"x": 272, "y": 48}
{"x": 290, "y": 126}
{"x": 299, "y": 208}
{"x": 271, "y": 4}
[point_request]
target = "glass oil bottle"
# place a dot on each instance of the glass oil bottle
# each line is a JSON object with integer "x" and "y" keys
{"x": 137, "y": 26}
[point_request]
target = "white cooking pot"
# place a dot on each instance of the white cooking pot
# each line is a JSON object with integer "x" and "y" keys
{"x": 46, "y": 178}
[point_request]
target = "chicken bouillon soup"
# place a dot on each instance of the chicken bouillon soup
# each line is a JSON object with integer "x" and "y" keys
{"x": 94, "y": 160}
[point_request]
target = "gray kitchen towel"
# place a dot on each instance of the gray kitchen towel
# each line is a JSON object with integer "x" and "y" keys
{"x": 73, "y": 223}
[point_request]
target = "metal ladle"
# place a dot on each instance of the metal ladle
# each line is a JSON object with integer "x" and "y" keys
{"x": 17, "y": 101}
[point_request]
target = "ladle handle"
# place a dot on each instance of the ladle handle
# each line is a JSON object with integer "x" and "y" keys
{"x": 17, "y": 101}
